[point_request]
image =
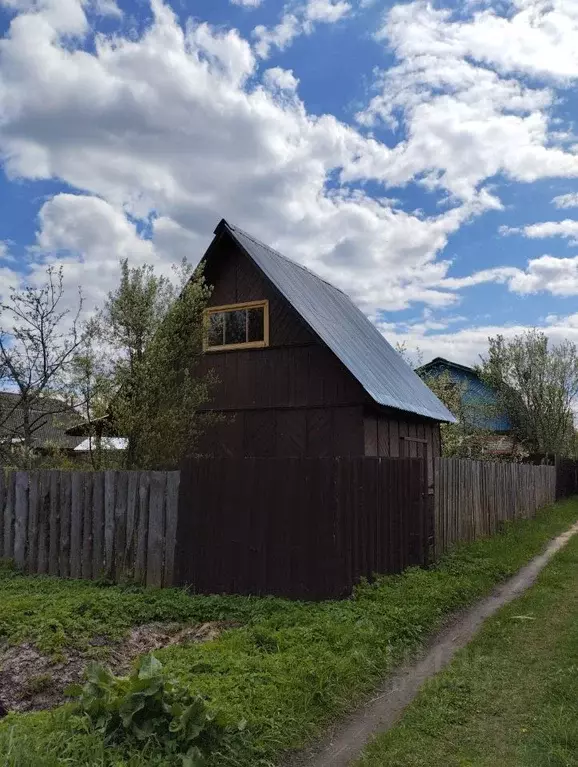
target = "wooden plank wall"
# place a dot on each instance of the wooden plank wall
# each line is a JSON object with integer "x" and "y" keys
{"x": 117, "y": 525}
{"x": 472, "y": 498}
{"x": 299, "y": 527}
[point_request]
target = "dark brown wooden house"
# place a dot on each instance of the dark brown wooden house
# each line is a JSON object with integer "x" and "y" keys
{"x": 302, "y": 371}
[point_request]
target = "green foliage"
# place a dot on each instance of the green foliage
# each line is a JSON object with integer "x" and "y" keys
{"x": 468, "y": 437}
{"x": 508, "y": 698}
{"x": 156, "y": 328}
{"x": 288, "y": 670}
{"x": 537, "y": 384}
{"x": 146, "y": 706}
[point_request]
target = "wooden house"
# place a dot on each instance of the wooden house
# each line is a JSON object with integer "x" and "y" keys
{"x": 302, "y": 371}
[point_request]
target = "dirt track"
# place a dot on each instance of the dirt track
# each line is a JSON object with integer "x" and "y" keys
{"x": 347, "y": 738}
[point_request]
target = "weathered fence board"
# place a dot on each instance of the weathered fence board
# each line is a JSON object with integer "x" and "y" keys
{"x": 91, "y": 525}
{"x": 472, "y": 498}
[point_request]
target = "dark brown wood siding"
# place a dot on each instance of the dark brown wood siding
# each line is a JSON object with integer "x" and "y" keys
{"x": 272, "y": 433}
{"x": 390, "y": 436}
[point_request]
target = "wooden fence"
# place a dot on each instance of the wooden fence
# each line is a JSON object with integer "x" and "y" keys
{"x": 472, "y": 498}
{"x": 299, "y": 527}
{"x": 118, "y": 525}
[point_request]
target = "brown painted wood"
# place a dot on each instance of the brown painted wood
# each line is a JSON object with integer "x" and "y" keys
{"x": 298, "y": 527}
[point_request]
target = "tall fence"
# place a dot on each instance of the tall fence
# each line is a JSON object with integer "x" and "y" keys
{"x": 472, "y": 498}
{"x": 299, "y": 527}
{"x": 119, "y": 525}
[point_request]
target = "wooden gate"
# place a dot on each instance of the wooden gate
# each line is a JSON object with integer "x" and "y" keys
{"x": 299, "y": 527}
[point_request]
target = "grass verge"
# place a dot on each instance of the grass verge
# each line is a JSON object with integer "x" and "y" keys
{"x": 509, "y": 698}
{"x": 287, "y": 671}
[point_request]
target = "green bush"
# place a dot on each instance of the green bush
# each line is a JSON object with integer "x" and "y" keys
{"x": 147, "y": 706}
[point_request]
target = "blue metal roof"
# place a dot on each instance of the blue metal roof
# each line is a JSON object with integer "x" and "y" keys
{"x": 476, "y": 395}
{"x": 382, "y": 372}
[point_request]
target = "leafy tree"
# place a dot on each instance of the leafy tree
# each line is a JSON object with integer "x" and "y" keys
{"x": 155, "y": 328}
{"x": 468, "y": 437}
{"x": 39, "y": 337}
{"x": 537, "y": 385}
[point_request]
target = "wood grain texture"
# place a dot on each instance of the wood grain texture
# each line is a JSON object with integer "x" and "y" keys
{"x": 20, "y": 518}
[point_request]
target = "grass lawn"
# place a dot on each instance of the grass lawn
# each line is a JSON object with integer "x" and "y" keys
{"x": 511, "y": 697}
{"x": 288, "y": 669}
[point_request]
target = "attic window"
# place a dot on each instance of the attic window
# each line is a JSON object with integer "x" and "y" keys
{"x": 237, "y": 326}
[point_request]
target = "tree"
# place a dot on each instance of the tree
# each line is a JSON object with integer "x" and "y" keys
{"x": 468, "y": 437}
{"x": 537, "y": 384}
{"x": 38, "y": 339}
{"x": 155, "y": 327}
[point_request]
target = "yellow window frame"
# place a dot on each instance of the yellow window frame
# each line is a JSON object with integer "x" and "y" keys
{"x": 264, "y": 304}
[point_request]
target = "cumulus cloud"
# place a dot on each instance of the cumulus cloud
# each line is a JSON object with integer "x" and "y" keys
{"x": 558, "y": 276}
{"x": 466, "y": 345}
{"x": 567, "y": 229}
{"x": 458, "y": 91}
{"x": 173, "y": 128}
{"x": 569, "y": 200}
{"x": 300, "y": 20}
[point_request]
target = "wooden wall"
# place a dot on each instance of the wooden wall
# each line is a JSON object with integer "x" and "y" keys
{"x": 388, "y": 435}
{"x": 294, "y": 397}
{"x": 279, "y": 432}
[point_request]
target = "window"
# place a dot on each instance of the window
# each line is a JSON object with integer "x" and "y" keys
{"x": 237, "y": 326}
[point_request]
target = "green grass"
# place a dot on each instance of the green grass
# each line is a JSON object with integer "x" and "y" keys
{"x": 510, "y": 697}
{"x": 288, "y": 670}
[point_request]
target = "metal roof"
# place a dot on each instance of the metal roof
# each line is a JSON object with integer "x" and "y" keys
{"x": 350, "y": 335}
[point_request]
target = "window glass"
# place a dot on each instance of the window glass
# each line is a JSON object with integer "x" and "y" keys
{"x": 256, "y": 324}
{"x": 215, "y": 331}
{"x": 236, "y": 327}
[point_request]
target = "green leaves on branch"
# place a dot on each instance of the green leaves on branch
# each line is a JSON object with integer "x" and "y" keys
{"x": 148, "y": 707}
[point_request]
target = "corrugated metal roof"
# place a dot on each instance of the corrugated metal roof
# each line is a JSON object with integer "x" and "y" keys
{"x": 382, "y": 372}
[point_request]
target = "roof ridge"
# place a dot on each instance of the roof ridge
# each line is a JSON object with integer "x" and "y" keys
{"x": 232, "y": 227}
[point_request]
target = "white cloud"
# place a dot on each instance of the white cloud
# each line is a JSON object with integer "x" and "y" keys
{"x": 467, "y": 344}
{"x": 171, "y": 125}
{"x": 457, "y": 89}
{"x": 569, "y": 200}
{"x": 247, "y": 3}
{"x": 567, "y": 229}
{"x": 300, "y": 20}
{"x": 284, "y": 79}
{"x": 558, "y": 276}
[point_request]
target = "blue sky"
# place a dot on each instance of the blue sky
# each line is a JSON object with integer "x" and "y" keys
{"x": 423, "y": 157}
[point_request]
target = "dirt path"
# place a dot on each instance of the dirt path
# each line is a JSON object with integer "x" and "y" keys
{"x": 348, "y": 738}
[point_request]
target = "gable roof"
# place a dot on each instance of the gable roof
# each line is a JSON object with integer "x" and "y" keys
{"x": 476, "y": 391}
{"x": 50, "y": 417}
{"x": 358, "y": 344}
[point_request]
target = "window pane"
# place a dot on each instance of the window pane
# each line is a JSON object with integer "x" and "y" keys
{"x": 236, "y": 327}
{"x": 256, "y": 324}
{"x": 215, "y": 330}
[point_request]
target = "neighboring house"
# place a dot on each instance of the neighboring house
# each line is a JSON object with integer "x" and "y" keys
{"x": 479, "y": 403}
{"x": 49, "y": 419}
{"x": 302, "y": 371}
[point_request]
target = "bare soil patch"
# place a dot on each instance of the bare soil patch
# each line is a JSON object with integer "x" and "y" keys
{"x": 31, "y": 681}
